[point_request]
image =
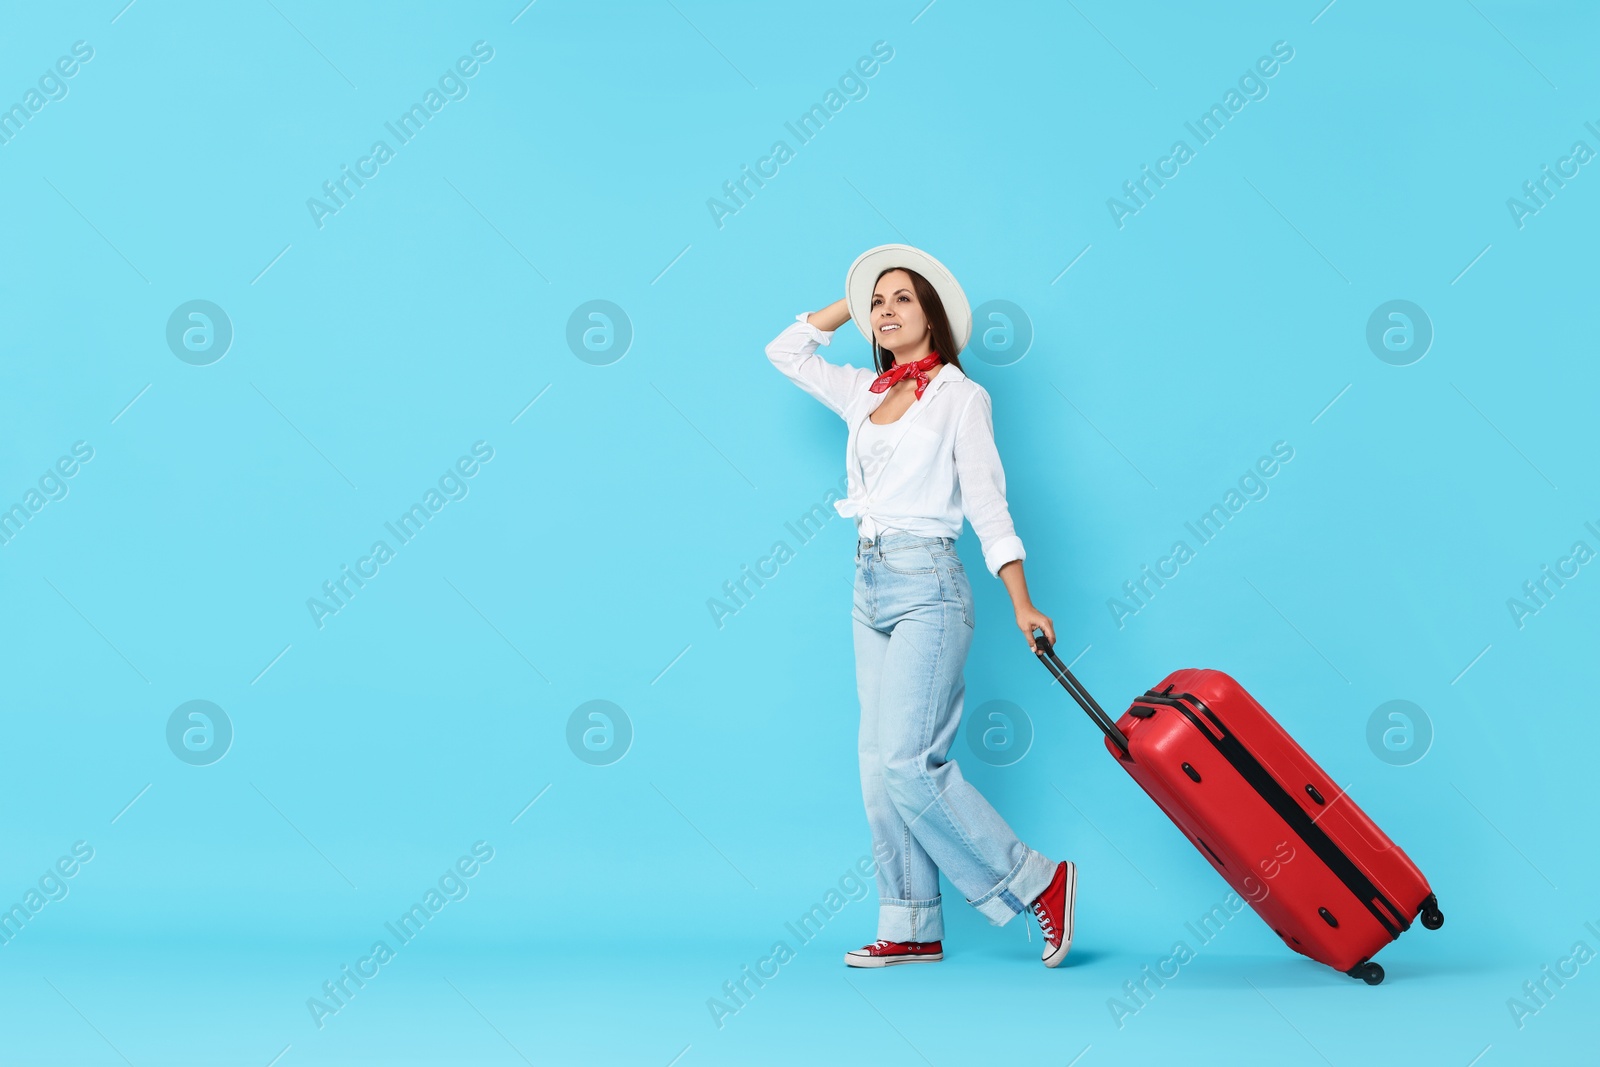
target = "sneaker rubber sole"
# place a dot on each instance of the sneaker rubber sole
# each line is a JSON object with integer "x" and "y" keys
{"x": 1069, "y": 900}
{"x": 853, "y": 960}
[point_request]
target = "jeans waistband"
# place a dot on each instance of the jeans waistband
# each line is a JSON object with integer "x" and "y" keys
{"x": 903, "y": 540}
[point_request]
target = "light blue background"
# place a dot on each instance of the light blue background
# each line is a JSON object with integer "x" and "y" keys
{"x": 426, "y": 315}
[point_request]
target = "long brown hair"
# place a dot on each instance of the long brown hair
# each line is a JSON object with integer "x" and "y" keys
{"x": 940, "y": 338}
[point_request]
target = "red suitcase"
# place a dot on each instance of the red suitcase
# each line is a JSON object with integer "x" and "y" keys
{"x": 1273, "y": 824}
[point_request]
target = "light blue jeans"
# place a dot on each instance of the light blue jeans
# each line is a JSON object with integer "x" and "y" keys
{"x": 913, "y": 620}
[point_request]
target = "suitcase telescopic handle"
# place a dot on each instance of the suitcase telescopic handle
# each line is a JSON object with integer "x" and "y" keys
{"x": 1070, "y": 683}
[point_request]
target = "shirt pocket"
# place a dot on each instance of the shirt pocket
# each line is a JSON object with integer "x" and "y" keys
{"x": 918, "y": 452}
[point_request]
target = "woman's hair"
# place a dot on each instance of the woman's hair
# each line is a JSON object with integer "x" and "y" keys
{"x": 940, "y": 338}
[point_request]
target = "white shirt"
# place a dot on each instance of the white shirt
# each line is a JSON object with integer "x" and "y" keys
{"x": 938, "y": 461}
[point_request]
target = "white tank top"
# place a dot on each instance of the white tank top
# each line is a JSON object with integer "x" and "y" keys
{"x": 874, "y": 445}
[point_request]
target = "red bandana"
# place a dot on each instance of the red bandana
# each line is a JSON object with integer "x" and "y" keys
{"x": 902, "y": 370}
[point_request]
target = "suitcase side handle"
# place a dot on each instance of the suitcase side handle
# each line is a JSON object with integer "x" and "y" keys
{"x": 1070, "y": 683}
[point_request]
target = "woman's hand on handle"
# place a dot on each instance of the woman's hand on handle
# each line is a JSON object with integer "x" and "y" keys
{"x": 1030, "y": 618}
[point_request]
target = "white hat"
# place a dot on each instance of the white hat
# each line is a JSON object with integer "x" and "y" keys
{"x": 863, "y": 276}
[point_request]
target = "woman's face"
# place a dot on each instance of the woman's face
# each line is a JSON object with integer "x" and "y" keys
{"x": 897, "y": 318}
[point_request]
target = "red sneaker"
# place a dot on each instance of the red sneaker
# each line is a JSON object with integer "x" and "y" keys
{"x": 1053, "y": 909}
{"x": 885, "y": 953}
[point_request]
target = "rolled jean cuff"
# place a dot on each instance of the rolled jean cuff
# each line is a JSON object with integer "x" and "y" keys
{"x": 1018, "y": 889}
{"x": 910, "y": 920}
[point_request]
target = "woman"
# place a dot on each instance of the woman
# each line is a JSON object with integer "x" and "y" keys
{"x": 920, "y": 455}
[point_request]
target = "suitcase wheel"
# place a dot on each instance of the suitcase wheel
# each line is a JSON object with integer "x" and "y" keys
{"x": 1432, "y": 917}
{"x": 1369, "y": 973}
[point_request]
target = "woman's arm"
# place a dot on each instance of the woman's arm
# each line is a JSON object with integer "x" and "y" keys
{"x": 831, "y": 317}
{"x": 983, "y": 498}
{"x": 794, "y": 352}
{"x": 1028, "y": 616}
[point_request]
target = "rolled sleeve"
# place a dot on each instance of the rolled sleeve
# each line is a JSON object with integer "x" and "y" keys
{"x": 983, "y": 485}
{"x": 794, "y": 352}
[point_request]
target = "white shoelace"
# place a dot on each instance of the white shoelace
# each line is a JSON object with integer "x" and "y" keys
{"x": 1045, "y": 924}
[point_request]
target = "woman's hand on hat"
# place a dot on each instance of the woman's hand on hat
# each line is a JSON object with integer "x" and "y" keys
{"x": 831, "y": 317}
